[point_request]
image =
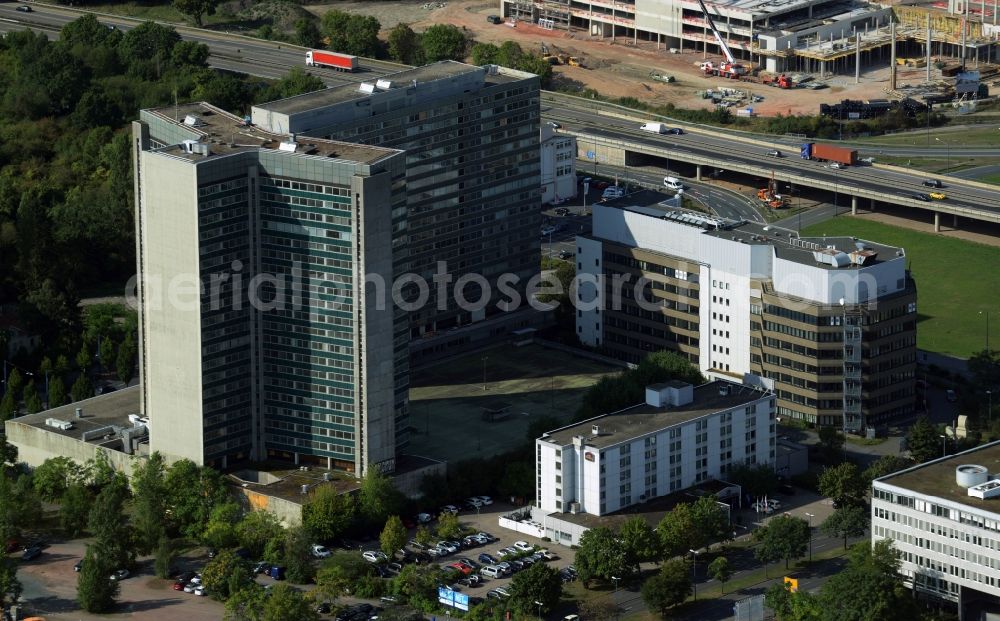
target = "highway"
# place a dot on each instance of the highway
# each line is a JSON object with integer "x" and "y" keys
{"x": 596, "y": 122}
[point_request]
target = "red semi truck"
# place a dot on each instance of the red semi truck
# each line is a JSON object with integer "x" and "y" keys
{"x": 829, "y": 153}
{"x": 343, "y": 62}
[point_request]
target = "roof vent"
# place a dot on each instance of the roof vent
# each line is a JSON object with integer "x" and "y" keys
{"x": 326, "y": 476}
{"x": 990, "y": 489}
{"x": 970, "y": 475}
{"x": 724, "y": 390}
{"x": 192, "y": 120}
{"x": 56, "y": 423}
{"x": 367, "y": 87}
{"x": 79, "y": 412}
{"x": 595, "y": 430}
{"x": 305, "y": 489}
{"x": 289, "y": 147}
{"x": 383, "y": 84}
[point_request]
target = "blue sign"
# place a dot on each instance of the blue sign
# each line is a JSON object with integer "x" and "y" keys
{"x": 591, "y": 155}
{"x": 452, "y": 598}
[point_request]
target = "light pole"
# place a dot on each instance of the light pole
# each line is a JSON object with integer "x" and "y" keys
{"x": 944, "y": 445}
{"x": 948, "y": 146}
{"x": 810, "y": 516}
{"x": 539, "y": 604}
{"x": 485, "y": 358}
{"x": 694, "y": 565}
{"x": 615, "y": 579}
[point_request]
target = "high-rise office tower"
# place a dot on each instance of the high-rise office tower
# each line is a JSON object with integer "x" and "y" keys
{"x": 259, "y": 334}
{"x": 471, "y": 136}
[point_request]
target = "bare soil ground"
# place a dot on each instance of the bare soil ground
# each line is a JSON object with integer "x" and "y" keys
{"x": 618, "y": 68}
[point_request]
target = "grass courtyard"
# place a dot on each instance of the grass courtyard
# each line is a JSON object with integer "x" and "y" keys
{"x": 447, "y": 399}
{"x": 955, "y": 279}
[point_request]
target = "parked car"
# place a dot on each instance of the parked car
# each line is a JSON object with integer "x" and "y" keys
{"x": 486, "y": 558}
{"x": 201, "y": 590}
{"x": 423, "y": 518}
{"x": 449, "y": 546}
{"x": 179, "y": 585}
{"x": 452, "y": 509}
{"x": 524, "y": 546}
{"x": 562, "y": 211}
{"x": 495, "y": 594}
{"x": 319, "y": 551}
{"x": 394, "y": 568}
{"x": 31, "y": 553}
{"x": 505, "y": 591}
{"x": 475, "y": 502}
{"x": 323, "y": 608}
{"x": 546, "y": 230}
{"x": 78, "y": 566}
{"x": 121, "y": 574}
{"x": 261, "y": 567}
{"x": 190, "y": 587}
{"x": 374, "y": 556}
{"x": 490, "y": 538}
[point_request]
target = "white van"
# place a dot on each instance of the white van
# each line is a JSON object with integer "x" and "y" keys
{"x": 673, "y": 183}
{"x": 656, "y": 128}
{"x": 491, "y": 571}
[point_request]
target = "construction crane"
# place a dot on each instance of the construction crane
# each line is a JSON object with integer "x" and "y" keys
{"x": 728, "y": 69}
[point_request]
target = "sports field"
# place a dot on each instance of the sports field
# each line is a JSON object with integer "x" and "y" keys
{"x": 447, "y": 400}
{"x": 957, "y": 280}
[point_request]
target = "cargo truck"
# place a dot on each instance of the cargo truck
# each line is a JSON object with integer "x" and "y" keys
{"x": 333, "y": 60}
{"x": 829, "y": 153}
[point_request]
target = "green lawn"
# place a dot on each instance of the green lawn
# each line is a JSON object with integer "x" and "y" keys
{"x": 955, "y": 279}
{"x": 986, "y": 135}
{"x": 991, "y": 179}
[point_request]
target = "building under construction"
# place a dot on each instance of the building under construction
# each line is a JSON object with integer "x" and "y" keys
{"x": 815, "y": 36}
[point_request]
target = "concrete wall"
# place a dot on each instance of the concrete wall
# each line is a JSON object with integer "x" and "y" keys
{"x": 289, "y": 512}
{"x": 35, "y": 445}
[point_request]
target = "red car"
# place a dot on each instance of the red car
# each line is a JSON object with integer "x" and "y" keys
{"x": 462, "y": 567}
{"x": 179, "y": 585}
{"x": 600, "y": 185}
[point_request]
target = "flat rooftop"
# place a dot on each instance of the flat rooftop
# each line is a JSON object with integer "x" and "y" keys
{"x": 760, "y": 7}
{"x": 787, "y": 244}
{"x": 98, "y": 412}
{"x": 352, "y": 91}
{"x": 937, "y": 478}
{"x": 643, "y": 419}
{"x": 226, "y": 133}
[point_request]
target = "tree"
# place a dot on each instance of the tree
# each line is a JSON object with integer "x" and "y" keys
{"x": 539, "y": 583}
{"x": 870, "y": 587}
{"x": 307, "y": 34}
{"x": 15, "y": 383}
{"x": 639, "y": 542}
{"x": 95, "y": 590}
{"x": 443, "y": 42}
{"x": 984, "y": 367}
{"x": 83, "y": 359}
{"x": 884, "y": 465}
{"x": 196, "y": 9}
{"x": 109, "y": 524}
{"x": 423, "y": 536}
{"x": 8, "y": 454}
{"x": 377, "y": 498}
{"x": 846, "y": 521}
{"x": 340, "y": 572}
{"x": 831, "y": 440}
{"x": 784, "y": 537}
{"x": 221, "y": 529}
{"x": 165, "y": 555}
{"x": 788, "y": 606}
{"x": 82, "y": 388}
{"x": 8, "y": 408}
{"x": 352, "y": 34}
{"x": 247, "y": 604}
{"x": 600, "y": 555}
{"x": 32, "y": 402}
{"x": 192, "y": 492}
{"x": 755, "y": 479}
{"x": 393, "y": 536}
{"x": 669, "y": 587}
{"x": 720, "y": 570}
{"x": 448, "y": 526}
{"x": 74, "y": 509}
{"x": 298, "y": 556}
{"x": 295, "y": 83}
{"x": 328, "y": 514}
{"x": 923, "y": 441}
{"x": 53, "y": 477}
{"x": 10, "y": 586}
{"x": 62, "y": 363}
{"x": 404, "y": 45}
{"x": 256, "y": 529}
{"x": 288, "y": 604}
{"x": 226, "y": 574}
{"x": 186, "y": 54}
{"x": 484, "y": 54}
{"x": 692, "y": 526}
{"x": 149, "y": 502}
{"x": 125, "y": 362}
{"x": 57, "y": 392}
{"x": 844, "y": 484}
{"x": 107, "y": 353}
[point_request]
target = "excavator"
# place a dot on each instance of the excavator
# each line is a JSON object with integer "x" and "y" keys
{"x": 728, "y": 68}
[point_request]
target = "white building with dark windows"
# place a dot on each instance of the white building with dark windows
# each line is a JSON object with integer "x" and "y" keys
{"x": 558, "y": 163}
{"x": 944, "y": 517}
{"x": 681, "y": 436}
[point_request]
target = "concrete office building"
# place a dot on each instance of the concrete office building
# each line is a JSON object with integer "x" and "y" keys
{"x": 829, "y": 324}
{"x": 944, "y": 518}
{"x": 283, "y": 353}
{"x": 681, "y": 436}
{"x": 558, "y": 164}
{"x": 471, "y": 136}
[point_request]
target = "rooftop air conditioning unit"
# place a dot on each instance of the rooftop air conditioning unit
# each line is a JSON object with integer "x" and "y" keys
{"x": 574, "y": 507}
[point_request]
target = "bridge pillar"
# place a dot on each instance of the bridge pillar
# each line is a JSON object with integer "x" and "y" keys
{"x": 697, "y": 172}
{"x": 854, "y": 205}
{"x": 937, "y": 221}
{"x": 873, "y": 205}
{"x": 954, "y": 220}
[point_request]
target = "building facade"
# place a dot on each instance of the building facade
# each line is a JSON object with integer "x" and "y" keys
{"x": 828, "y": 324}
{"x": 681, "y": 436}
{"x": 471, "y": 136}
{"x": 558, "y": 165}
{"x": 260, "y": 335}
{"x": 944, "y": 518}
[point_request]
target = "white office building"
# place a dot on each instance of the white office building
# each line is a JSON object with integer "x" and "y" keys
{"x": 558, "y": 163}
{"x": 681, "y": 436}
{"x": 944, "y": 517}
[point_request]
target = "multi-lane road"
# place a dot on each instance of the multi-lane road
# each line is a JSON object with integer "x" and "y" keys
{"x": 597, "y": 122}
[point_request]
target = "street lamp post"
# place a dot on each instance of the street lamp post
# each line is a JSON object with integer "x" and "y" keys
{"x": 694, "y": 565}
{"x": 810, "y": 516}
{"x": 485, "y": 358}
{"x": 539, "y": 604}
{"x": 944, "y": 445}
{"x": 615, "y": 579}
{"x": 948, "y": 152}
